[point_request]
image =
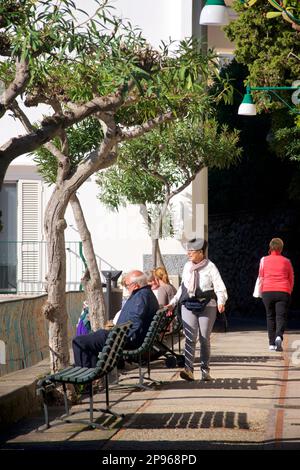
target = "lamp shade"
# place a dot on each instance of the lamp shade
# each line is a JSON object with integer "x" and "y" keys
{"x": 214, "y": 13}
{"x": 247, "y": 107}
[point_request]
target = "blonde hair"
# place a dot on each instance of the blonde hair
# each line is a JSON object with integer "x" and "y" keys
{"x": 276, "y": 244}
{"x": 162, "y": 274}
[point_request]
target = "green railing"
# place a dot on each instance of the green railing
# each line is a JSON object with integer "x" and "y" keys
{"x": 24, "y": 265}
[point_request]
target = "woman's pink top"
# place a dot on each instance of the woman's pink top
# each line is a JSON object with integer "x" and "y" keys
{"x": 276, "y": 273}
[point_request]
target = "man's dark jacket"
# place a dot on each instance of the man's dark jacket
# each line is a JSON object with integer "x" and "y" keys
{"x": 140, "y": 309}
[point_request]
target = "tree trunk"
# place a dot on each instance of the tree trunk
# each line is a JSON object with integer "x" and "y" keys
{"x": 154, "y": 229}
{"x": 157, "y": 259}
{"x": 91, "y": 279}
{"x": 55, "y": 308}
{"x": 154, "y": 252}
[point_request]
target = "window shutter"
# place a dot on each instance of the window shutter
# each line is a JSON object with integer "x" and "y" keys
{"x": 29, "y": 235}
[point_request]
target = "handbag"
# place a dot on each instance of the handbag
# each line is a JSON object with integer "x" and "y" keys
{"x": 258, "y": 283}
{"x": 257, "y": 288}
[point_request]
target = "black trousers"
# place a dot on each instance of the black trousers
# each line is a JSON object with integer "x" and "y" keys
{"x": 276, "y": 305}
{"x": 87, "y": 347}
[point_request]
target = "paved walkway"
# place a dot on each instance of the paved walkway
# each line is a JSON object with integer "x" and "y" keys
{"x": 252, "y": 403}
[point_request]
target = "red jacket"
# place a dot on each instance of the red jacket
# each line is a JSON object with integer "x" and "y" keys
{"x": 276, "y": 273}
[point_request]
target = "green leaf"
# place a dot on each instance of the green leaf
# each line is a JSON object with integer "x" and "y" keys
{"x": 272, "y": 14}
{"x": 251, "y": 3}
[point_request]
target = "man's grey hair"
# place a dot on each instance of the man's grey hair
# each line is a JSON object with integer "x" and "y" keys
{"x": 141, "y": 280}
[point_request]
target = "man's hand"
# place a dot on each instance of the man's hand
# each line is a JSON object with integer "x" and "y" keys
{"x": 169, "y": 307}
{"x": 109, "y": 325}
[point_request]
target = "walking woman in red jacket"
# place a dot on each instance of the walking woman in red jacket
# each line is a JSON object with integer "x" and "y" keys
{"x": 276, "y": 278}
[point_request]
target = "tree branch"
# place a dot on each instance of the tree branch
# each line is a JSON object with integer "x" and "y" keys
{"x": 16, "y": 87}
{"x": 101, "y": 158}
{"x": 296, "y": 26}
{"x": 109, "y": 103}
{"x": 52, "y": 126}
{"x": 136, "y": 131}
{"x": 19, "y": 113}
{"x": 188, "y": 181}
{"x": 63, "y": 160}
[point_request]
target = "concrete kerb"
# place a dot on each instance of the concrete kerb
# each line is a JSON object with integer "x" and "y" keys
{"x": 18, "y": 393}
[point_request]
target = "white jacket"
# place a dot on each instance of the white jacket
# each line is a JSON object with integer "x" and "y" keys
{"x": 209, "y": 278}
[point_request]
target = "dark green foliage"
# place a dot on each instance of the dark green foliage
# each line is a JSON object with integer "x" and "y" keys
{"x": 261, "y": 180}
{"x": 265, "y": 47}
{"x": 267, "y": 54}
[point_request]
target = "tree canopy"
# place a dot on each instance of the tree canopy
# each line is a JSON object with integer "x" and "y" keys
{"x": 270, "y": 50}
{"x": 97, "y": 67}
{"x": 154, "y": 166}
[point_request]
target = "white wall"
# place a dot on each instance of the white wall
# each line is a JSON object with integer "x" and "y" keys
{"x": 120, "y": 238}
{"x": 158, "y": 19}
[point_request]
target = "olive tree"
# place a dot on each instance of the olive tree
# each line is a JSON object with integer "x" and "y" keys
{"x": 154, "y": 168}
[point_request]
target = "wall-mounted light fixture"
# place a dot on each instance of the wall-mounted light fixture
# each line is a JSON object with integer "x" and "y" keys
{"x": 248, "y": 108}
{"x": 214, "y": 13}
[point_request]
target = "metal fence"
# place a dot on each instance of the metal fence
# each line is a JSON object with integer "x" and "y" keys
{"x": 24, "y": 265}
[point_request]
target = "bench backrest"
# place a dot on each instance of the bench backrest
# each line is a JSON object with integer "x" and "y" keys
{"x": 112, "y": 350}
{"x": 151, "y": 335}
{"x": 165, "y": 322}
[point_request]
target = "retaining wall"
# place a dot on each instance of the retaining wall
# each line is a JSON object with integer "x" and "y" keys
{"x": 24, "y": 330}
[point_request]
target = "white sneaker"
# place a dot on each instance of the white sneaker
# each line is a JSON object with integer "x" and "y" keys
{"x": 272, "y": 347}
{"x": 278, "y": 344}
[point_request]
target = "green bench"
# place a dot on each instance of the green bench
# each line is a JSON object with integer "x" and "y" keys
{"x": 108, "y": 360}
{"x": 143, "y": 353}
{"x": 161, "y": 347}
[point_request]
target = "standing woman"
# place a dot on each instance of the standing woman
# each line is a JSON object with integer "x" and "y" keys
{"x": 276, "y": 279}
{"x": 201, "y": 293}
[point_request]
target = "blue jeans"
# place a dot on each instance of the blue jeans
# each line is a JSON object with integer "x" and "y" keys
{"x": 86, "y": 348}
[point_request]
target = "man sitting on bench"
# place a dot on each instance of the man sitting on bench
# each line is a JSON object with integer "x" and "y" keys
{"x": 139, "y": 309}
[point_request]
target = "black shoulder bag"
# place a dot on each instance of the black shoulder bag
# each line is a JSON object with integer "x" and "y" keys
{"x": 198, "y": 304}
